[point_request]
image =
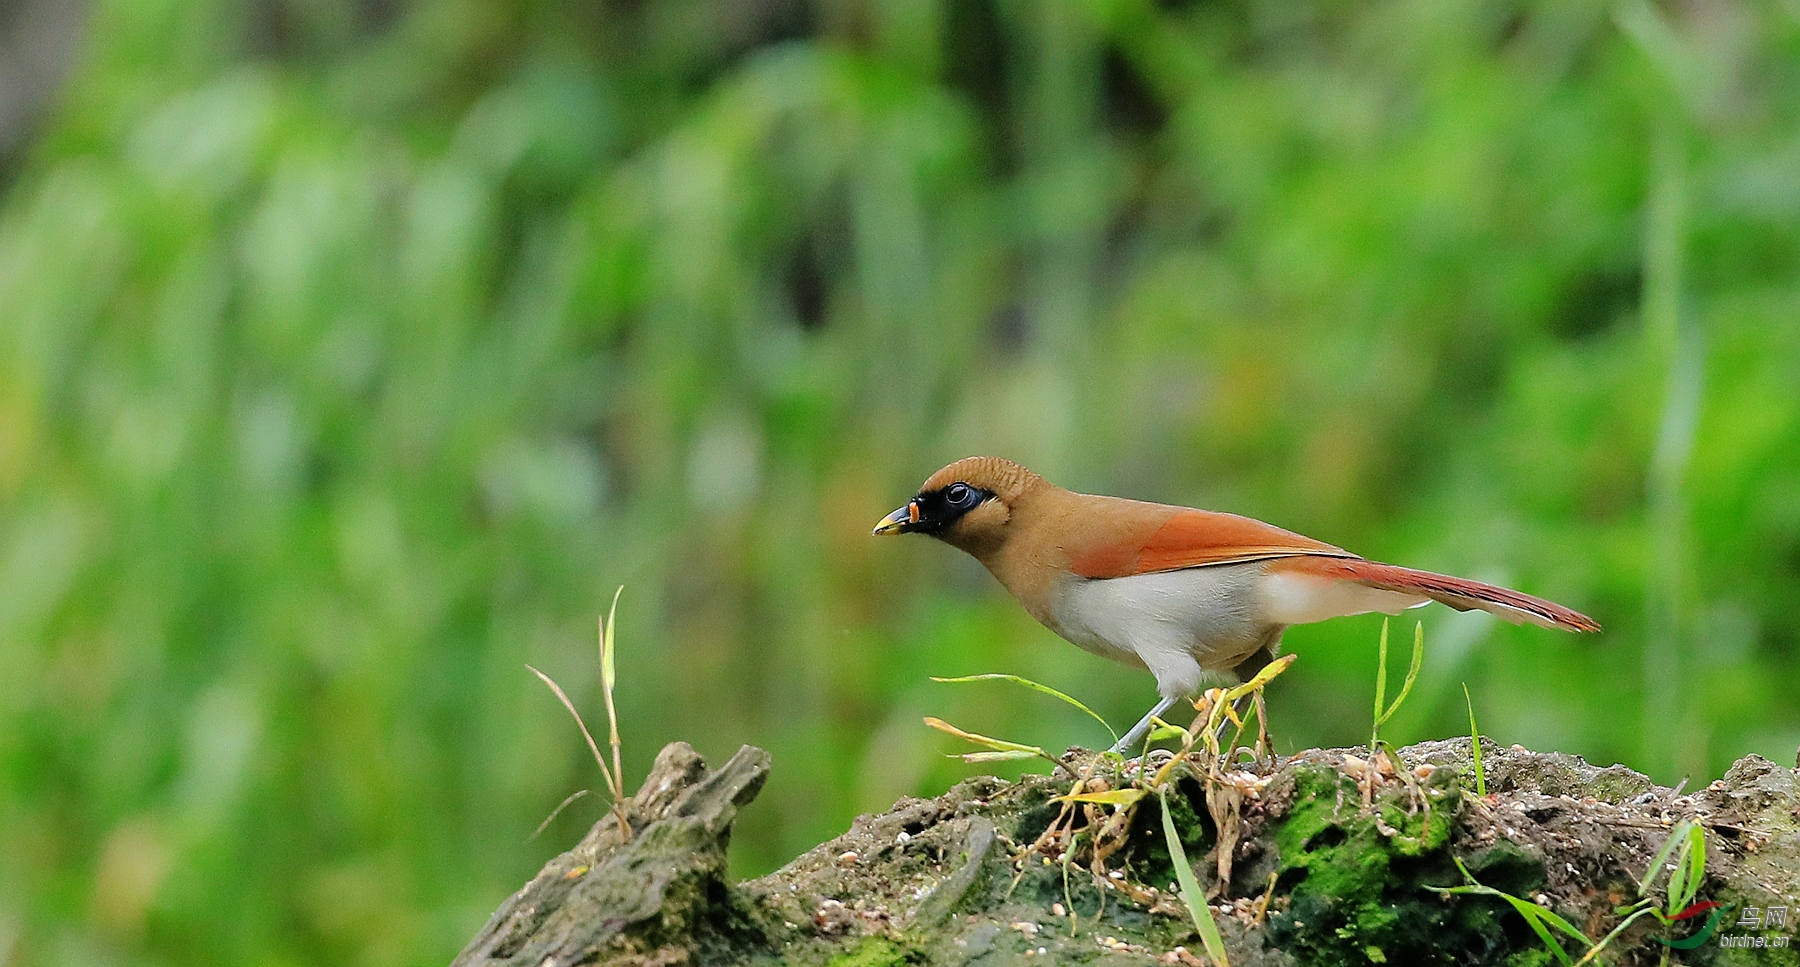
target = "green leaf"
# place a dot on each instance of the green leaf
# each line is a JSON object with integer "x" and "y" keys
{"x": 1190, "y": 891}
{"x": 1688, "y": 842}
{"x": 1036, "y": 687}
{"x": 1690, "y": 868}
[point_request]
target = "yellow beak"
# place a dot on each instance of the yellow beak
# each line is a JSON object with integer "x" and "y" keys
{"x": 896, "y": 522}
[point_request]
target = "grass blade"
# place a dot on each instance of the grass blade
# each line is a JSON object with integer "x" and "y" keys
{"x": 607, "y": 673}
{"x": 539, "y": 831}
{"x": 1261, "y": 678}
{"x": 1644, "y": 909}
{"x": 1111, "y": 797}
{"x": 1531, "y": 911}
{"x": 1004, "y": 755}
{"x": 1661, "y": 857}
{"x": 1406, "y": 687}
{"x": 1380, "y": 686}
{"x": 608, "y": 677}
{"x": 997, "y": 745}
{"x": 1690, "y": 868}
{"x": 1412, "y": 668}
{"x": 1190, "y": 892}
{"x": 1036, "y": 687}
{"x": 1540, "y": 920}
{"x": 1475, "y": 752}
{"x": 593, "y": 746}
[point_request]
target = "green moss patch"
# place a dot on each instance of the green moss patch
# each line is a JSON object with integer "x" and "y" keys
{"x": 1357, "y": 877}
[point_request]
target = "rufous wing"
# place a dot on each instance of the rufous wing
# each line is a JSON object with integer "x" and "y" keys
{"x": 1193, "y": 538}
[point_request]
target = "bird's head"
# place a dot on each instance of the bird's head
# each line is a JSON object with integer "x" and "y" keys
{"x": 967, "y": 504}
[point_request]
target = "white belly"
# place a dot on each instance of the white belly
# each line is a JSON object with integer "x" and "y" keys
{"x": 1175, "y": 623}
{"x": 1183, "y": 624}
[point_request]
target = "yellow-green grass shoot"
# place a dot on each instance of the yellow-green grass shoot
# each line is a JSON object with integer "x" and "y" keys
{"x": 999, "y": 750}
{"x": 1475, "y": 745}
{"x": 1412, "y": 675}
{"x": 613, "y": 776}
{"x": 609, "y": 678}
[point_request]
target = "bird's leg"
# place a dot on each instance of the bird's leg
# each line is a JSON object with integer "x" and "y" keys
{"x": 1138, "y": 731}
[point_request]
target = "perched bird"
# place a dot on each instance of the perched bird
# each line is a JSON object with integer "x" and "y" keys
{"x": 1179, "y": 591}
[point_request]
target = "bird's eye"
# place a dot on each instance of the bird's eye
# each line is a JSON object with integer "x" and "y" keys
{"x": 960, "y": 495}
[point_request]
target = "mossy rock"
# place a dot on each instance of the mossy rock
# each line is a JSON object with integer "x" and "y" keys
{"x": 1330, "y": 860}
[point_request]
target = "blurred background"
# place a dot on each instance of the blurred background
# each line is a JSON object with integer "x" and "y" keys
{"x": 353, "y": 352}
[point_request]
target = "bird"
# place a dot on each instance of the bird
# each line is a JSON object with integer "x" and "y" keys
{"x": 1188, "y": 594}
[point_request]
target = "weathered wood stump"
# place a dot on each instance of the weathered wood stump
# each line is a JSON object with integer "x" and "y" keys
{"x": 659, "y": 897}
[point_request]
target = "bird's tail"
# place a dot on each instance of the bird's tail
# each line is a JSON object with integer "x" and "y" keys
{"x": 1459, "y": 593}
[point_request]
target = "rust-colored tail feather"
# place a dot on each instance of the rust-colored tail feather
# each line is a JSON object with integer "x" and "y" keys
{"x": 1459, "y": 593}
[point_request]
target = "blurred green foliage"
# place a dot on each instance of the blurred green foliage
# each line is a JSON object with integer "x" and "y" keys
{"x": 352, "y": 353}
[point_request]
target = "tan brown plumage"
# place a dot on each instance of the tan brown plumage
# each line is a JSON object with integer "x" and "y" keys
{"x": 1177, "y": 590}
